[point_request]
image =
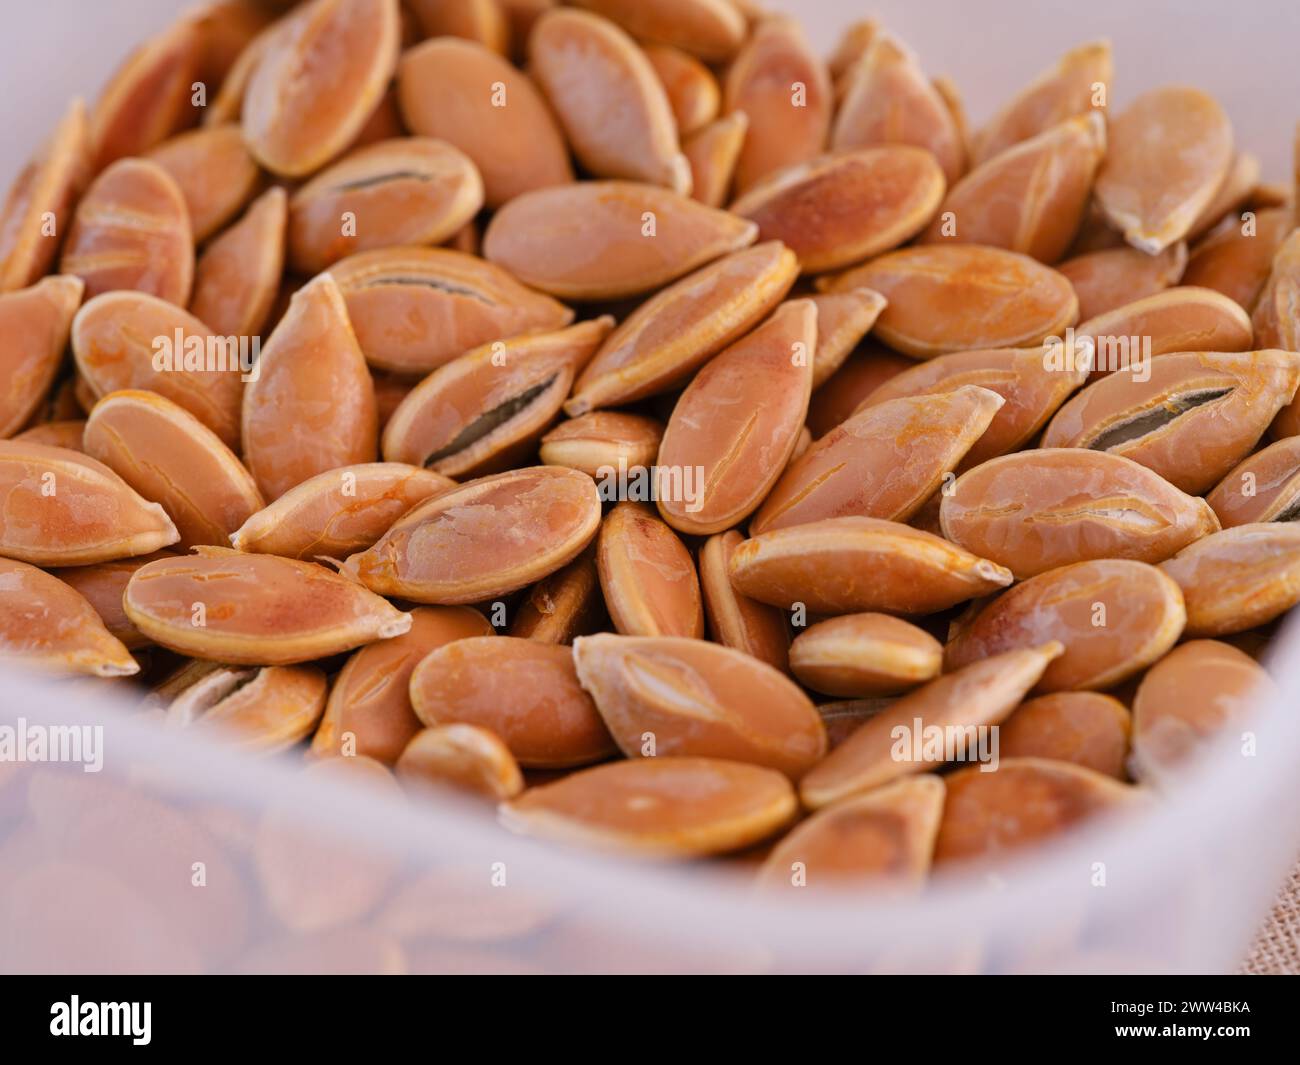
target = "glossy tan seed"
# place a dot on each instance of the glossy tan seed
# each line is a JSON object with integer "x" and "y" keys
{"x": 672, "y": 334}
{"x": 864, "y": 371}
{"x": 690, "y": 698}
{"x": 738, "y": 422}
{"x": 225, "y": 29}
{"x": 34, "y": 327}
{"x": 836, "y": 210}
{"x": 214, "y": 172}
{"x": 238, "y": 275}
{"x": 62, "y": 508}
{"x": 225, "y": 104}
{"x": 255, "y": 609}
{"x": 64, "y": 434}
{"x": 317, "y": 82}
{"x": 500, "y": 120}
{"x": 599, "y": 240}
{"x": 858, "y": 655}
{"x": 1083, "y": 728}
{"x": 48, "y": 185}
{"x": 485, "y": 538}
{"x": 603, "y": 439}
{"x": 339, "y": 512}
{"x": 485, "y": 411}
{"x": 103, "y": 584}
{"x": 1277, "y": 314}
{"x": 880, "y": 842}
{"x": 415, "y": 309}
{"x": 1195, "y": 697}
{"x": 693, "y": 92}
{"x": 1236, "y": 259}
{"x": 1114, "y": 618}
{"x": 1032, "y": 198}
{"x": 1036, "y": 510}
{"x": 889, "y": 100}
{"x": 843, "y": 319}
{"x": 405, "y": 191}
{"x": 562, "y": 606}
{"x": 883, "y": 462}
{"x": 369, "y": 712}
{"x": 610, "y": 103}
{"x": 735, "y": 620}
{"x": 1237, "y": 186}
{"x": 148, "y": 98}
{"x": 45, "y": 624}
{"x": 132, "y": 231}
{"x": 988, "y": 816}
{"x": 525, "y": 692}
{"x": 1107, "y": 279}
{"x": 1264, "y": 487}
{"x": 984, "y": 693}
{"x": 647, "y": 575}
{"x": 1239, "y": 578}
{"x": 262, "y": 710}
{"x": 850, "y": 565}
{"x": 1060, "y": 93}
{"x": 169, "y": 457}
{"x": 480, "y": 21}
{"x": 312, "y": 407}
{"x": 785, "y": 90}
{"x": 713, "y": 152}
{"x": 464, "y": 757}
{"x": 1195, "y": 417}
{"x": 963, "y": 297}
{"x": 658, "y": 807}
{"x": 852, "y": 45}
{"x": 113, "y": 342}
{"x": 1188, "y": 131}
{"x": 713, "y": 30}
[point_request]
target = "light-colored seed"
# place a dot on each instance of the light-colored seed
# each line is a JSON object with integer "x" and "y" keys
{"x": 735, "y": 620}
{"x": 485, "y": 411}
{"x": 1069, "y": 88}
{"x": 854, "y": 40}
{"x": 405, "y": 191}
{"x": 713, "y": 30}
{"x": 889, "y": 100}
{"x": 1189, "y": 133}
{"x": 1083, "y": 728}
{"x": 864, "y": 370}
{"x": 1048, "y": 178}
{"x": 1239, "y": 578}
{"x": 481, "y": 21}
{"x": 500, "y": 120}
{"x": 963, "y": 297}
{"x": 238, "y": 274}
{"x": 1104, "y": 280}
{"x": 465, "y": 757}
{"x": 1035, "y": 510}
{"x": 414, "y": 309}
{"x": 255, "y": 609}
{"x": 214, "y": 172}
{"x": 565, "y": 605}
{"x": 1240, "y": 181}
{"x": 311, "y": 408}
{"x": 712, "y": 153}
{"x": 1264, "y": 487}
{"x": 132, "y": 231}
{"x": 603, "y": 440}
{"x": 64, "y": 434}
{"x": 225, "y": 106}
{"x": 369, "y": 712}
{"x": 62, "y": 508}
{"x": 46, "y": 624}
{"x": 114, "y": 340}
{"x": 880, "y": 841}
{"x": 953, "y": 100}
{"x": 843, "y": 319}
{"x": 647, "y": 575}
{"x": 850, "y": 565}
{"x": 836, "y": 210}
{"x": 225, "y": 28}
{"x": 785, "y": 90}
{"x": 34, "y": 327}
{"x": 103, "y": 584}
{"x": 845, "y": 717}
{"x": 171, "y": 458}
{"x": 265, "y": 709}
{"x": 317, "y": 81}
{"x": 692, "y": 90}
{"x": 1191, "y": 419}
{"x": 526, "y": 692}
{"x": 1114, "y": 618}
{"x": 858, "y": 655}
{"x": 1236, "y": 259}
{"x": 485, "y": 538}
{"x": 672, "y": 334}
{"x": 982, "y": 694}
{"x": 737, "y": 423}
{"x": 689, "y": 698}
{"x": 451, "y": 903}
{"x": 883, "y": 462}
{"x": 1277, "y": 314}
{"x": 658, "y": 807}
{"x": 598, "y": 240}
{"x": 47, "y": 187}
{"x": 612, "y": 106}
{"x": 988, "y": 817}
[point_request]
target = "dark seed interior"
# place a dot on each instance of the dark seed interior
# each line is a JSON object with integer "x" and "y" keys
{"x": 431, "y": 282}
{"x": 379, "y": 179}
{"x": 490, "y": 420}
{"x": 1292, "y": 513}
{"x": 1140, "y": 425}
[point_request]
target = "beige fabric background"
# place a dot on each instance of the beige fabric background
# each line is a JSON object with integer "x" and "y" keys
{"x": 1276, "y": 950}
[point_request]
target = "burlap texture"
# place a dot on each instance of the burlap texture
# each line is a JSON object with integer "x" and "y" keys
{"x": 1276, "y": 950}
